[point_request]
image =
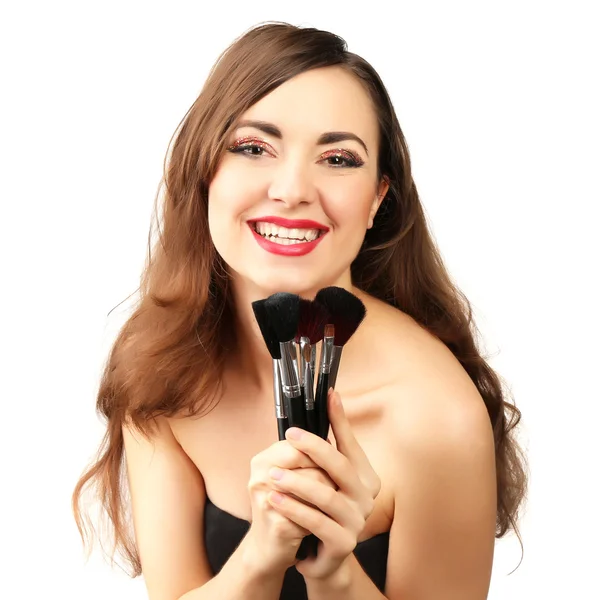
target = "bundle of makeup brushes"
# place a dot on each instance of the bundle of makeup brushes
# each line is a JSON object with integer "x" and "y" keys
{"x": 291, "y": 327}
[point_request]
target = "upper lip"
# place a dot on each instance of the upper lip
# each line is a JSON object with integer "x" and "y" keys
{"x": 291, "y": 223}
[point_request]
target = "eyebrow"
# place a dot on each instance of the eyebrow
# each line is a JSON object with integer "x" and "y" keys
{"x": 329, "y": 137}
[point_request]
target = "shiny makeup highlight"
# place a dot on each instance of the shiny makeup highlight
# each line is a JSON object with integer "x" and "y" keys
{"x": 248, "y": 143}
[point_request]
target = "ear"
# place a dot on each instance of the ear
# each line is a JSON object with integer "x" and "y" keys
{"x": 384, "y": 186}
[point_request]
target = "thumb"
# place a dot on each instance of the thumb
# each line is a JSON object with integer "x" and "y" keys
{"x": 337, "y": 417}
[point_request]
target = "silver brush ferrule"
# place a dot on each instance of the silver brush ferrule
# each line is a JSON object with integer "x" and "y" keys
{"x": 289, "y": 365}
{"x": 278, "y": 392}
{"x": 304, "y": 342}
{"x": 326, "y": 354}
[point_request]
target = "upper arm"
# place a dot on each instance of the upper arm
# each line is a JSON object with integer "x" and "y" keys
{"x": 167, "y": 497}
{"x": 443, "y": 532}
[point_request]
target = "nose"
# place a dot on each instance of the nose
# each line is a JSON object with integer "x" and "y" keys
{"x": 292, "y": 184}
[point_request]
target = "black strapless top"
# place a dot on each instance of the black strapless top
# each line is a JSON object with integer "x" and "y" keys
{"x": 223, "y": 533}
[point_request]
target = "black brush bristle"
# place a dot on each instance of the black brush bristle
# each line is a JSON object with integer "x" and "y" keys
{"x": 283, "y": 312}
{"x": 345, "y": 309}
{"x": 262, "y": 318}
{"x": 313, "y": 318}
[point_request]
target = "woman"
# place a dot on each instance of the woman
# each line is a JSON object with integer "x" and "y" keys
{"x": 421, "y": 471}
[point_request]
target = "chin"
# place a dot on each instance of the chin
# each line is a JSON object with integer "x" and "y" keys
{"x": 296, "y": 282}
{"x": 293, "y": 285}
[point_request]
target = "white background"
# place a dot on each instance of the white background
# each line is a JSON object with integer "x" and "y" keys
{"x": 499, "y": 104}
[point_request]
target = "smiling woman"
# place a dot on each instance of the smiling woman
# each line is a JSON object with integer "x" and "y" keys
{"x": 284, "y": 164}
{"x": 290, "y": 172}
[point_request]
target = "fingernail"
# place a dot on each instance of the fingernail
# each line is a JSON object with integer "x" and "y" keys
{"x": 294, "y": 433}
{"x": 276, "y": 497}
{"x": 275, "y": 473}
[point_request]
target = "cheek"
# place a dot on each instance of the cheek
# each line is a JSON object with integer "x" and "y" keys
{"x": 350, "y": 213}
{"x": 350, "y": 217}
{"x": 222, "y": 206}
{"x": 228, "y": 199}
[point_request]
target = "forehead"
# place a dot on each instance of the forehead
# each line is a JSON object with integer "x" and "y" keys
{"x": 324, "y": 99}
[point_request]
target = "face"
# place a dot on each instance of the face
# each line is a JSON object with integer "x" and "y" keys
{"x": 288, "y": 208}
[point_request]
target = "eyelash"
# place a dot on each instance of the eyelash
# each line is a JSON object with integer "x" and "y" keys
{"x": 352, "y": 161}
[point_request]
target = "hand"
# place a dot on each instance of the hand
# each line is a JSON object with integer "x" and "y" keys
{"x": 340, "y": 515}
{"x": 274, "y": 539}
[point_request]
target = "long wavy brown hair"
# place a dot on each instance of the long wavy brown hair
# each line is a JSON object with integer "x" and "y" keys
{"x": 167, "y": 357}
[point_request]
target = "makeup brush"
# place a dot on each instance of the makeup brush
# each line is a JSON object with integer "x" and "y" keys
{"x": 283, "y": 311}
{"x": 323, "y": 381}
{"x": 347, "y": 313}
{"x": 306, "y": 381}
{"x": 274, "y": 350}
{"x": 311, "y": 324}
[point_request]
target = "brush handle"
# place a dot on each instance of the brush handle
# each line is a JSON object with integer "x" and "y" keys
{"x": 336, "y": 355}
{"x": 297, "y": 413}
{"x": 321, "y": 405}
{"x": 310, "y": 543}
{"x": 282, "y": 426}
{"x": 312, "y": 424}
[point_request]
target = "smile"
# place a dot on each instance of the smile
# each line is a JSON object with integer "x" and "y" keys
{"x": 287, "y": 241}
{"x": 285, "y": 235}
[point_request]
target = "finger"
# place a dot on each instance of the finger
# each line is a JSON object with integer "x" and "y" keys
{"x": 281, "y": 454}
{"x": 314, "y": 475}
{"x": 327, "y": 530}
{"x": 286, "y": 456}
{"x": 333, "y": 462}
{"x": 317, "y": 474}
{"x": 344, "y": 437}
{"x": 348, "y": 445}
{"x": 319, "y": 495}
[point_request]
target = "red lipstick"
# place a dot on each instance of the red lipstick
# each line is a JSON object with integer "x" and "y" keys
{"x": 297, "y": 249}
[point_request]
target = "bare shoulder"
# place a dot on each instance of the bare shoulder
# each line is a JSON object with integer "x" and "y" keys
{"x": 167, "y": 502}
{"x": 430, "y": 402}
{"x": 442, "y": 479}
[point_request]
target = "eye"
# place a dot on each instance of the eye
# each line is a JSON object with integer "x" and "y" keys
{"x": 242, "y": 148}
{"x": 344, "y": 157}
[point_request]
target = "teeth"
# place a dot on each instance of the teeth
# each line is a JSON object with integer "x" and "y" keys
{"x": 285, "y": 236}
